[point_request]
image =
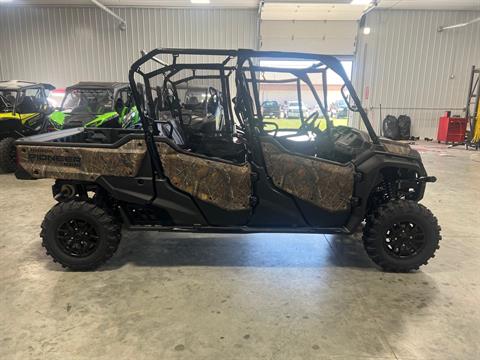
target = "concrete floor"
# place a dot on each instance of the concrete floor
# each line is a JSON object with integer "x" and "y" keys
{"x": 183, "y": 296}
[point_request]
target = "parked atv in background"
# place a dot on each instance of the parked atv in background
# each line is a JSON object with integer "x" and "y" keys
{"x": 23, "y": 111}
{"x": 96, "y": 104}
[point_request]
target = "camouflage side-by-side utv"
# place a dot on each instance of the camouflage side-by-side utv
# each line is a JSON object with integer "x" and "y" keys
{"x": 96, "y": 104}
{"x": 254, "y": 176}
{"x": 23, "y": 111}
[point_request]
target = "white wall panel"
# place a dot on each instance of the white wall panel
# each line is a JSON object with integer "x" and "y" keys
{"x": 66, "y": 45}
{"x": 409, "y": 67}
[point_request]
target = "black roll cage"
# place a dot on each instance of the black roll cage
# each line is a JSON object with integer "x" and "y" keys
{"x": 113, "y": 90}
{"x": 72, "y": 88}
{"x": 26, "y": 86}
{"x": 18, "y": 94}
{"x": 245, "y": 102}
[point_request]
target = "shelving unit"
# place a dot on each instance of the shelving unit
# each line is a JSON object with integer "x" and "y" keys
{"x": 472, "y": 109}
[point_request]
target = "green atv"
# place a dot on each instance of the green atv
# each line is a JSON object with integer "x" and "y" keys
{"x": 24, "y": 110}
{"x": 96, "y": 104}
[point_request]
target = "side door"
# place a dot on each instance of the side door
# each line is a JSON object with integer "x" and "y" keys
{"x": 289, "y": 148}
{"x": 321, "y": 188}
{"x": 220, "y": 190}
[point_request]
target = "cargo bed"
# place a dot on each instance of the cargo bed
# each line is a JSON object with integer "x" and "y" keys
{"x": 82, "y": 137}
{"x": 80, "y": 154}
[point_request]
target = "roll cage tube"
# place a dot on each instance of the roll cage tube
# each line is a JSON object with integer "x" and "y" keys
{"x": 17, "y": 99}
{"x": 299, "y": 99}
{"x": 327, "y": 60}
{"x": 242, "y": 55}
{"x": 300, "y": 75}
{"x": 148, "y": 124}
{"x": 8, "y": 104}
{"x": 147, "y": 113}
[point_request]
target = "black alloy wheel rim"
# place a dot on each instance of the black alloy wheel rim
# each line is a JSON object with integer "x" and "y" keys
{"x": 404, "y": 239}
{"x": 77, "y": 238}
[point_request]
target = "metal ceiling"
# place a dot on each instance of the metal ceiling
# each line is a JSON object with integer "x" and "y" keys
{"x": 430, "y": 4}
{"x": 144, "y": 3}
{"x": 387, "y": 4}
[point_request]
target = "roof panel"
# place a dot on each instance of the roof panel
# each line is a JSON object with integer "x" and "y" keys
{"x": 20, "y": 84}
{"x": 97, "y": 85}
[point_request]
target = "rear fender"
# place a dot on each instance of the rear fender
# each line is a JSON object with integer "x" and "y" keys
{"x": 11, "y": 127}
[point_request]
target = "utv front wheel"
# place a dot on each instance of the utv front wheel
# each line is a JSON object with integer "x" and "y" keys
{"x": 401, "y": 236}
{"x": 79, "y": 235}
{"x": 7, "y": 155}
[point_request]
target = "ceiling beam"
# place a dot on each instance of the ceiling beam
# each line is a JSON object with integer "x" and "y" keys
{"x": 123, "y": 23}
{"x": 442, "y": 28}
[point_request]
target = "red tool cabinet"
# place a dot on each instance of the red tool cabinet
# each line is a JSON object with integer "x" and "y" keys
{"x": 451, "y": 129}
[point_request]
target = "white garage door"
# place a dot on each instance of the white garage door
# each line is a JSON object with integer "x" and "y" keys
{"x": 325, "y": 37}
{"x": 311, "y": 26}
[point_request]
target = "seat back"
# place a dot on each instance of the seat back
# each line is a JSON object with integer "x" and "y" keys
{"x": 173, "y": 130}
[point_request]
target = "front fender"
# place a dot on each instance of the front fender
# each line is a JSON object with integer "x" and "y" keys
{"x": 370, "y": 170}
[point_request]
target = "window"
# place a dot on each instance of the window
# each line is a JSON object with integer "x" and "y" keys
{"x": 88, "y": 101}
{"x": 29, "y": 101}
{"x": 292, "y": 104}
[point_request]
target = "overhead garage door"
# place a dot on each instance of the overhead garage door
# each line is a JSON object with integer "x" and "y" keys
{"x": 325, "y": 37}
{"x": 311, "y": 26}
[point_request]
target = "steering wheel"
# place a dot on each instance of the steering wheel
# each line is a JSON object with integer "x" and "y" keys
{"x": 309, "y": 123}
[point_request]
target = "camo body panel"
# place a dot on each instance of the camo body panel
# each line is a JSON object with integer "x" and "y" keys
{"x": 396, "y": 147}
{"x": 227, "y": 186}
{"x": 326, "y": 185}
{"x": 81, "y": 163}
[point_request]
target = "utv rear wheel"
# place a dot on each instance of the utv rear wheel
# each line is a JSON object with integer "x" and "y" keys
{"x": 401, "y": 236}
{"x": 7, "y": 155}
{"x": 79, "y": 235}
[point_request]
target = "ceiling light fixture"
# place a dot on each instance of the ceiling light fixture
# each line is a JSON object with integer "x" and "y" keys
{"x": 366, "y": 30}
{"x": 200, "y": 1}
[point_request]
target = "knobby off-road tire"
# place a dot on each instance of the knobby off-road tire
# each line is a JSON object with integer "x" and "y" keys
{"x": 7, "y": 155}
{"x": 80, "y": 235}
{"x": 401, "y": 236}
